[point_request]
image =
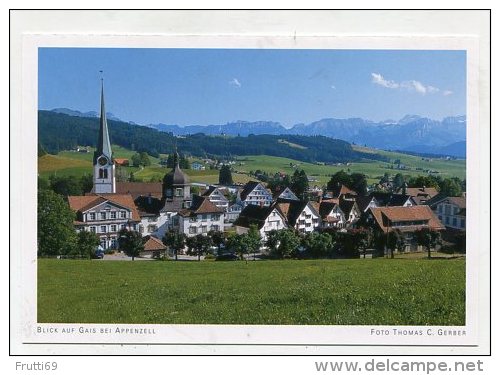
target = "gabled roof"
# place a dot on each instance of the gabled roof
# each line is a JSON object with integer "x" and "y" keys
{"x": 153, "y": 244}
{"x": 212, "y": 189}
{"x": 248, "y": 188}
{"x": 347, "y": 205}
{"x": 389, "y": 199}
{"x": 280, "y": 192}
{"x": 363, "y": 202}
{"x": 420, "y": 191}
{"x": 326, "y": 207}
{"x": 255, "y": 215}
{"x": 458, "y": 201}
{"x": 291, "y": 209}
{"x": 84, "y": 203}
{"x": 200, "y": 205}
{"x": 384, "y": 216}
{"x": 136, "y": 189}
{"x": 341, "y": 189}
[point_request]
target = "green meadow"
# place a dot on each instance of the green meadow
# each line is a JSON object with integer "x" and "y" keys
{"x": 320, "y": 292}
{"x": 68, "y": 163}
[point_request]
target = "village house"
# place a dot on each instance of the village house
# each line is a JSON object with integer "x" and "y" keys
{"x": 451, "y": 211}
{"x": 419, "y": 195}
{"x": 351, "y": 211}
{"x": 300, "y": 215}
{"x": 254, "y": 193}
{"x": 331, "y": 215}
{"x": 153, "y": 247}
{"x": 285, "y": 194}
{"x": 265, "y": 218}
{"x": 216, "y": 196}
{"x": 105, "y": 215}
{"x": 196, "y": 166}
{"x": 407, "y": 219}
{"x": 200, "y": 218}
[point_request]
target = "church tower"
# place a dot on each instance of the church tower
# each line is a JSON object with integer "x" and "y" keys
{"x": 176, "y": 188}
{"x": 104, "y": 166}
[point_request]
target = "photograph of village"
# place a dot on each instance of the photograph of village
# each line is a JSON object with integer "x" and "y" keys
{"x": 251, "y": 186}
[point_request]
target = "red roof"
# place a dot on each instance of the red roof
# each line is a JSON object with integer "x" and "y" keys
{"x": 154, "y": 244}
{"x": 84, "y": 203}
{"x": 385, "y": 217}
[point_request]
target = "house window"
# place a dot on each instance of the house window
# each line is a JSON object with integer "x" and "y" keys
{"x": 447, "y": 220}
{"x": 123, "y": 226}
{"x": 308, "y": 225}
{"x": 103, "y": 228}
{"x": 123, "y": 214}
{"x": 204, "y": 229}
{"x": 152, "y": 228}
{"x": 92, "y": 229}
{"x": 103, "y": 173}
{"x": 192, "y": 219}
{"x": 103, "y": 215}
{"x": 192, "y": 230}
{"x": 454, "y": 221}
{"x": 92, "y": 216}
{"x": 113, "y": 215}
{"x": 104, "y": 243}
{"x": 204, "y": 217}
{"x": 215, "y": 217}
{"x": 178, "y": 192}
{"x": 462, "y": 223}
{"x": 113, "y": 228}
{"x": 113, "y": 243}
{"x": 215, "y": 228}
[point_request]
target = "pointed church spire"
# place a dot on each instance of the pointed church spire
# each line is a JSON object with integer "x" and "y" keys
{"x": 103, "y": 144}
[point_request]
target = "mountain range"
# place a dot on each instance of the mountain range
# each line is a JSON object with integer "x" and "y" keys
{"x": 411, "y": 133}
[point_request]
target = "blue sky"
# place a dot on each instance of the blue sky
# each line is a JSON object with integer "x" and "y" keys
{"x": 216, "y": 86}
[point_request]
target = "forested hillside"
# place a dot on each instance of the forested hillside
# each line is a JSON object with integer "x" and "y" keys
{"x": 57, "y": 132}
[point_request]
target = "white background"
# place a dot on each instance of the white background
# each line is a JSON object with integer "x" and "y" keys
{"x": 277, "y": 23}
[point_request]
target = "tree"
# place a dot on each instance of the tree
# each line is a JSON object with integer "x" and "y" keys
{"x": 395, "y": 240}
{"x": 66, "y": 185}
{"x": 428, "y": 238}
{"x": 87, "y": 183}
{"x": 359, "y": 183}
{"x": 136, "y": 160}
{"x": 282, "y": 243}
{"x": 398, "y": 181}
{"x": 56, "y": 233}
{"x": 299, "y": 183}
{"x": 318, "y": 245}
{"x": 87, "y": 243}
{"x": 225, "y": 176}
{"x": 238, "y": 244}
{"x": 131, "y": 242}
{"x": 362, "y": 237}
{"x": 450, "y": 187}
{"x": 198, "y": 245}
{"x": 218, "y": 239}
{"x": 175, "y": 241}
{"x": 339, "y": 178}
{"x": 253, "y": 240}
{"x": 421, "y": 181}
{"x": 144, "y": 157}
{"x": 384, "y": 179}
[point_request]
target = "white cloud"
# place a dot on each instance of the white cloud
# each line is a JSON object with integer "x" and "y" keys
{"x": 234, "y": 82}
{"x": 333, "y": 87}
{"x": 411, "y": 85}
{"x": 380, "y": 80}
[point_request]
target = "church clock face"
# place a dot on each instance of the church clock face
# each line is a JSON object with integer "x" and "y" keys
{"x": 102, "y": 160}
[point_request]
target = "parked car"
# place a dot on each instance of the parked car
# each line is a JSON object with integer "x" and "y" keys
{"x": 99, "y": 254}
{"x": 227, "y": 256}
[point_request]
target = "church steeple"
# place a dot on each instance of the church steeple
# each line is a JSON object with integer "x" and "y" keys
{"x": 104, "y": 166}
{"x": 103, "y": 143}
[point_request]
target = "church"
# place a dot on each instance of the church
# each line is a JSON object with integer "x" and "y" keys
{"x": 139, "y": 206}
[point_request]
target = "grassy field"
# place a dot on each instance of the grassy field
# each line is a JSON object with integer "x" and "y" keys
{"x": 340, "y": 292}
{"x": 74, "y": 163}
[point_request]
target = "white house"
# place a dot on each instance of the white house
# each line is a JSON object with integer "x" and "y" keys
{"x": 300, "y": 215}
{"x": 331, "y": 215}
{"x": 266, "y": 218}
{"x": 254, "y": 193}
{"x": 451, "y": 211}
{"x": 202, "y": 217}
{"x": 105, "y": 215}
{"x": 216, "y": 196}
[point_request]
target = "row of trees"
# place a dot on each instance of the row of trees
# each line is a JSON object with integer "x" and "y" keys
{"x": 452, "y": 187}
{"x": 354, "y": 181}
